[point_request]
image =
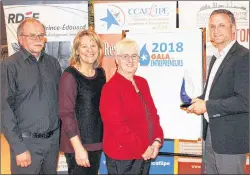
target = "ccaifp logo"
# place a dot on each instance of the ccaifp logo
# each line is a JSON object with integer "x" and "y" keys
{"x": 144, "y": 56}
{"x": 114, "y": 16}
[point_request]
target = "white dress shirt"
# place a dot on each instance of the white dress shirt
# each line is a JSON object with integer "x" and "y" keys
{"x": 220, "y": 57}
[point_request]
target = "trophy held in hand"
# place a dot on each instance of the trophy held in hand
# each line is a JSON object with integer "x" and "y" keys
{"x": 185, "y": 98}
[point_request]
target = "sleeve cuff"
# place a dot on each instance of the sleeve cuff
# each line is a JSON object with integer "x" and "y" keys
{"x": 208, "y": 108}
{"x": 19, "y": 148}
{"x": 72, "y": 133}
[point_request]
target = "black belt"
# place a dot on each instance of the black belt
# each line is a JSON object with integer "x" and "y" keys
{"x": 44, "y": 135}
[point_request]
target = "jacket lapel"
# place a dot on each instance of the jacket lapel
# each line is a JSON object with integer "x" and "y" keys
{"x": 220, "y": 69}
{"x": 209, "y": 70}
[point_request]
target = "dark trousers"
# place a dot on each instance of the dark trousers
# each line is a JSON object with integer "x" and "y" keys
{"x": 136, "y": 167}
{"x": 94, "y": 159}
{"x": 222, "y": 163}
{"x": 44, "y": 156}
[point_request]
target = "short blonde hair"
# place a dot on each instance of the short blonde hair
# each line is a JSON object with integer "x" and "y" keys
{"x": 75, "y": 59}
{"x": 125, "y": 43}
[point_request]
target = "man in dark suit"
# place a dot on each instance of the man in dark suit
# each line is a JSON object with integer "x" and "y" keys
{"x": 225, "y": 100}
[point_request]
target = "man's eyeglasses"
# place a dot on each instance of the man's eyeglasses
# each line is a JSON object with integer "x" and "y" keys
{"x": 34, "y": 36}
{"x": 126, "y": 56}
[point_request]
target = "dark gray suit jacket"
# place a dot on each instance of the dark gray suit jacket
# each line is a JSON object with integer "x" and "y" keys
{"x": 228, "y": 104}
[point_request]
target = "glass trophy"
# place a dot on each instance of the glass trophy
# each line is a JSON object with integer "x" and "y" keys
{"x": 187, "y": 86}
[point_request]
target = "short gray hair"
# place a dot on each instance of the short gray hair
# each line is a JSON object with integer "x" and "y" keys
{"x": 125, "y": 42}
{"x": 226, "y": 12}
{"x": 27, "y": 20}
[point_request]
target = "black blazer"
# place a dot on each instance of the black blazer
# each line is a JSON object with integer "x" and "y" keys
{"x": 228, "y": 104}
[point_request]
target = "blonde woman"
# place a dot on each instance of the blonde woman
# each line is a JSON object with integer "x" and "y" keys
{"x": 79, "y": 95}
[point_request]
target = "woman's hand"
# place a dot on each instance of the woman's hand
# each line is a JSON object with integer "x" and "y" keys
{"x": 148, "y": 153}
{"x": 156, "y": 148}
{"x": 81, "y": 156}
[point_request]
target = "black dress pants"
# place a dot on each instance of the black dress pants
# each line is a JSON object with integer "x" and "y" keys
{"x": 135, "y": 166}
{"x": 94, "y": 159}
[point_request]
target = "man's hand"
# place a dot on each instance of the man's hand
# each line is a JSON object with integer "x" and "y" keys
{"x": 23, "y": 159}
{"x": 148, "y": 153}
{"x": 198, "y": 107}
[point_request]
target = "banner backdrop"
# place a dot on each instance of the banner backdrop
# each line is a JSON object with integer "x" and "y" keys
{"x": 3, "y": 37}
{"x": 165, "y": 59}
{"x": 4, "y": 52}
{"x": 62, "y": 20}
{"x": 187, "y": 165}
{"x": 247, "y": 165}
{"x": 199, "y": 16}
{"x": 112, "y": 18}
{"x": 108, "y": 62}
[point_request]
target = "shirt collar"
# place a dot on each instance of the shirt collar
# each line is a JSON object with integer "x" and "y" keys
{"x": 27, "y": 54}
{"x": 222, "y": 53}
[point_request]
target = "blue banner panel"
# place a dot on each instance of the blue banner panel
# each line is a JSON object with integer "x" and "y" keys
{"x": 168, "y": 146}
{"x": 103, "y": 168}
{"x": 162, "y": 165}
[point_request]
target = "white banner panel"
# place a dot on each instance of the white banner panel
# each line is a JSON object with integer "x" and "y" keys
{"x": 199, "y": 16}
{"x": 62, "y": 22}
{"x": 112, "y": 18}
{"x": 165, "y": 58}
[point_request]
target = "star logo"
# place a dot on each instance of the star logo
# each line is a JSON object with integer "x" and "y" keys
{"x": 144, "y": 57}
{"x": 110, "y": 19}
